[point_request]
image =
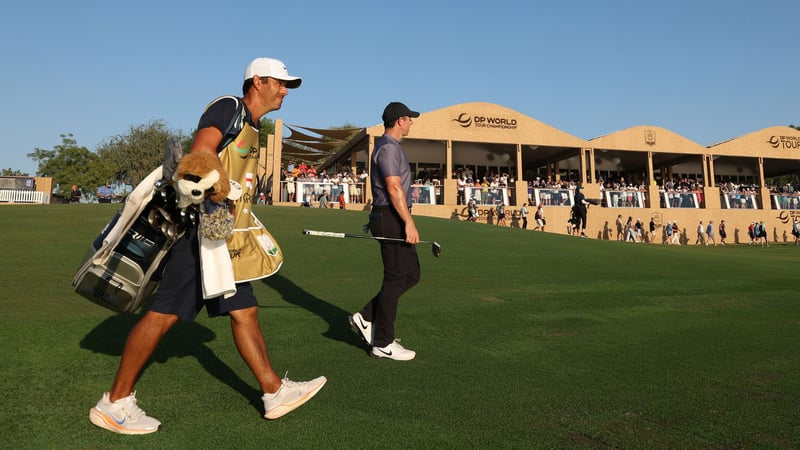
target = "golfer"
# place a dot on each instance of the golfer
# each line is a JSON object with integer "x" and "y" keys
{"x": 179, "y": 296}
{"x": 390, "y": 181}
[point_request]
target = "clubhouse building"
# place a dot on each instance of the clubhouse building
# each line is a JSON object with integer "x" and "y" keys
{"x": 643, "y": 172}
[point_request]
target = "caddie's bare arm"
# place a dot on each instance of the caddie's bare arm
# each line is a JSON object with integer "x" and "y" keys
{"x": 398, "y": 197}
{"x": 206, "y": 140}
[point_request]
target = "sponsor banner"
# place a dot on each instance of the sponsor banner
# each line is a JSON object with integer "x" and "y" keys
{"x": 18, "y": 183}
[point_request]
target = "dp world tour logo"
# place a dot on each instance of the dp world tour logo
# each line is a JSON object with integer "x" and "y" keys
{"x": 464, "y": 120}
{"x": 784, "y": 142}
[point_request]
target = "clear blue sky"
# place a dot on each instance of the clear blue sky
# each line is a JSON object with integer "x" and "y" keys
{"x": 708, "y": 70}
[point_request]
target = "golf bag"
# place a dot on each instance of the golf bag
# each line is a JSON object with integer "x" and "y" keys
{"x": 124, "y": 263}
{"x": 122, "y": 277}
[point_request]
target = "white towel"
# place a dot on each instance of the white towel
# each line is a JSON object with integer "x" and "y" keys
{"x": 216, "y": 268}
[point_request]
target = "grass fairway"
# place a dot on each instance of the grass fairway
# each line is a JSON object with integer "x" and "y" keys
{"x": 523, "y": 340}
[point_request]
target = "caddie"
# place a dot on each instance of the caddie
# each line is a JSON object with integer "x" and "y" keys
{"x": 253, "y": 253}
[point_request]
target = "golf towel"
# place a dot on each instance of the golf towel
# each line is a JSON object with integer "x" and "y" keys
{"x": 216, "y": 269}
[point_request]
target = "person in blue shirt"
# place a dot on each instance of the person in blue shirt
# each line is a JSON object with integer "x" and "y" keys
{"x": 105, "y": 193}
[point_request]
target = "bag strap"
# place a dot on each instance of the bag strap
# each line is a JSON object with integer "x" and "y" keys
{"x": 235, "y": 125}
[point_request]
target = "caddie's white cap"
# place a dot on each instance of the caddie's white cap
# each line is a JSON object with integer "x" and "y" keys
{"x": 270, "y": 67}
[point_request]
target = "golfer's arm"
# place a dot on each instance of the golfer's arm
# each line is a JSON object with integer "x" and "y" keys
{"x": 398, "y": 198}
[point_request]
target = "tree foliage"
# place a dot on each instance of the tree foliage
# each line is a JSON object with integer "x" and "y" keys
{"x": 135, "y": 154}
{"x": 70, "y": 164}
{"x": 266, "y": 127}
{"x": 12, "y": 173}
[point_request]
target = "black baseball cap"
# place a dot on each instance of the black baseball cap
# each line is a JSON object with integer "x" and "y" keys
{"x": 396, "y": 110}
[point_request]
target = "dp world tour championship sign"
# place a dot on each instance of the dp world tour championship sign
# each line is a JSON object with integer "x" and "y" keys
{"x": 784, "y": 142}
{"x": 466, "y": 120}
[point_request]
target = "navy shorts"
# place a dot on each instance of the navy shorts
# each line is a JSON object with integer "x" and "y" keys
{"x": 180, "y": 291}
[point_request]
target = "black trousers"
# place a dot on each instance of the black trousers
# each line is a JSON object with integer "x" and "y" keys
{"x": 401, "y": 272}
{"x": 580, "y": 214}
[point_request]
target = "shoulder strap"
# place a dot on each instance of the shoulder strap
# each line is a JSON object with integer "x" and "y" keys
{"x": 235, "y": 125}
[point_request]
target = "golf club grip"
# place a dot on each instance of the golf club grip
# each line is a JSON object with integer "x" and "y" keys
{"x": 324, "y": 233}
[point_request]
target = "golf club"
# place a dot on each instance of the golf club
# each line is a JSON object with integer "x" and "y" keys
{"x": 436, "y": 249}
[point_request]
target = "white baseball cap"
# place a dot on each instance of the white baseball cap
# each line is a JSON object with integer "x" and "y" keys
{"x": 270, "y": 67}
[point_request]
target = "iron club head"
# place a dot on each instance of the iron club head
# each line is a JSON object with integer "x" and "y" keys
{"x": 436, "y": 248}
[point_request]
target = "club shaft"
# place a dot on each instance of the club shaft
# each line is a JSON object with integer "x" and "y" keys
{"x": 356, "y": 236}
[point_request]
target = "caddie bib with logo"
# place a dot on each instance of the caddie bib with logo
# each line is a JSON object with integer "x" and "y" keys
{"x": 254, "y": 252}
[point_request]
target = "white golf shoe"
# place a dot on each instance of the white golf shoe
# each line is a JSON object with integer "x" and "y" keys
{"x": 122, "y": 416}
{"x": 394, "y": 351}
{"x": 290, "y": 396}
{"x": 362, "y": 327}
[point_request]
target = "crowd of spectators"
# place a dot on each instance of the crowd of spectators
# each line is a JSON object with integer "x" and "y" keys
{"x": 490, "y": 184}
{"x": 301, "y": 172}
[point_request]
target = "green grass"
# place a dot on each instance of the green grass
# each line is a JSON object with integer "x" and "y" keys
{"x": 523, "y": 340}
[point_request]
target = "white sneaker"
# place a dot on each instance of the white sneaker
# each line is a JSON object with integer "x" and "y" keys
{"x": 362, "y": 327}
{"x": 122, "y": 416}
{"x": 290, "y": 396}
{"x": 394, "y": 351}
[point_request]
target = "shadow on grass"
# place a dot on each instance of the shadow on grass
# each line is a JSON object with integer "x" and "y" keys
{"x": 338, "y": 325}
{"x": 185, "y": 339}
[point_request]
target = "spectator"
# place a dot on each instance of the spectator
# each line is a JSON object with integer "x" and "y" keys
{"x": 290, "y": 186}
{"x": 580, "y": 210}
{"x": 676, "y": 233}
{"x": 751, "y": 233}
{"x": 639, "y": 229}
{"x": 700, "y": 239}
{"x": 710, "y": 233}
{"x": 105, "y": 193}
{"x": 652, "y": 237}
{"x": 308, "y": 199}
{"x": 415, "y": 194}
{"x": 630, "y": 231}
{"x": 762, "y": 234}
{"x": 722, "y": 232}
{"x": 472, "y": 209}
{"x": 572, "y": 223}
{"x": 523, "y": 212}
{"x": 668, "y": 234}
{"x": 539, "y": 217}
{"x": 796, "y": 232}
{"x": 620, "y": 228}
{"x": 75, "y": 194}
{"x": 341, "y": 199}
{"x": 462, "y": 183}
{"x": 501, "y": 213}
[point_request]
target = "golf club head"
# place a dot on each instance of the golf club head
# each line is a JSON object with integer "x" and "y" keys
{"x": 436, "y": 248}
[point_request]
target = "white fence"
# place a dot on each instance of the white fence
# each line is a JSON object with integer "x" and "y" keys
{"x": 19, "y": 196}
